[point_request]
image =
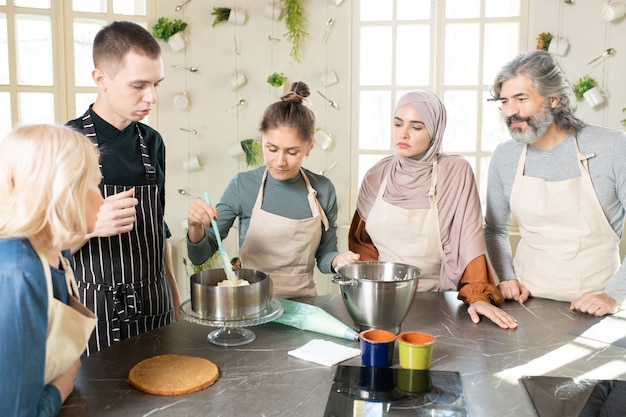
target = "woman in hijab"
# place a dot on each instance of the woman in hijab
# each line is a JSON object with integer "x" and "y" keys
{"x": 421, "y": 207}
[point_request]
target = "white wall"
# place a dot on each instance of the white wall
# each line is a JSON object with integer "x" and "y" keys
{"x": 212, "y": 51}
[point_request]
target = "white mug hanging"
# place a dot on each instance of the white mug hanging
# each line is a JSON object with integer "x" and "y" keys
{"x": 235, "y": 80}
{"x": 594, "y": 97}
{"x": 181, "y": 100}
{"x": 324, "y": 139}
{"x": 277, "y": 91}
{"x": 192, "y": 163}
{"x": 238, "y": 16}
{"x": 337, "y": 2}
{"x": 273, "y": 10}
{"x": 176, "y": 41}
{"x": 329, "y": 77}
{"x": 235, "y": 150}
{"x": 613, "y": 11}
{"x": 558, "y": 46}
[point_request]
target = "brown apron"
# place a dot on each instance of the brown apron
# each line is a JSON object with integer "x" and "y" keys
{"x": 284, "y": 248}
{"x": 122, "y": 278}
{"x": 409, "y": 236}
{"x": 69, "y": 325}
{"x": 567, "y": 247}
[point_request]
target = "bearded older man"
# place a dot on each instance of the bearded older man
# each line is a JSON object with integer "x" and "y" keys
{"x": 564, "y": 181}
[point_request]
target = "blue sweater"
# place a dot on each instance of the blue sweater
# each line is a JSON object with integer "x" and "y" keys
{"x": 23, "y": 329}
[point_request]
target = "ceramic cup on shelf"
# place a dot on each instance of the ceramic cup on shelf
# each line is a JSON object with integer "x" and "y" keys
{"x": 415, "y": 350}
{"x": 613, "y": 11}
{"x": 235, "y": 80}
{"x": 238, "y": 16}
{"x": 181, "y": 100}
{"x": 558, "y": 46}
{"x": 323, "y": 138}
{"x": 177, "y": 41}
{"x": 594, "y": 97}
{"x": 377, "y": 347}
{"x": 236, "y": 150}
{"x": 273, "y": 10}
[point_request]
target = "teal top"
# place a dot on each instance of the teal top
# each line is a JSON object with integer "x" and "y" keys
{"x": 284, "y": 198}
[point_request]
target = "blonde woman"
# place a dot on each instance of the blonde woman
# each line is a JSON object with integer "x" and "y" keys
{"x": 49, "y": 200}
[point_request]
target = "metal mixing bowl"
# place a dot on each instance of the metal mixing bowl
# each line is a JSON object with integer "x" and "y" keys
{"x": 377, "y": 295}
{"x": 229, "y": 303}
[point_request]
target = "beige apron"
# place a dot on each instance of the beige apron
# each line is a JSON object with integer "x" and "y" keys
{"x": 69, "y": 325}
{"x": 567, "y": 246}
{"x": 409, "y": 236}
{"x": 284, "y": 248}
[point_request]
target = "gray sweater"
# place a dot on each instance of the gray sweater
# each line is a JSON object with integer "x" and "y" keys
{"x": 284, "y": 198}
{"x": 608, "y": 175}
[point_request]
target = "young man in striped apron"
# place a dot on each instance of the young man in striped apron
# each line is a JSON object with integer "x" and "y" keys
{"x": 124, "y": 270}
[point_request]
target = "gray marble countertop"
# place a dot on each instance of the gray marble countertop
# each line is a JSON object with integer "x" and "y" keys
{"x": 261, "y": 379}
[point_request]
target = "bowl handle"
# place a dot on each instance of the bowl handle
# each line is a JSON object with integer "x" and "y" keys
{"x": 341, "y": 280}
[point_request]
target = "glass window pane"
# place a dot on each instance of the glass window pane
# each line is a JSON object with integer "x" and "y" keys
{"x": 366, "y": 162}
{"x": 413, "y": 66}
{"x": 133, "y": 8}
{"x": 42, "y": 102}
{"x": 481, "y": 181}
{"x": 502, "y": 8}
{"x": 375, "y": 65}
{"x": 413, "y": 9}
{"x": 3, "y": 2}
{"x": 83, "y": 100}
{"x": 493, "y": 127}
{"x": 376, "y": 10}
{"x": 459, "y": 9}
{"x": 35, "y": 4}
{"x": 461, "y": 54}
{"x": 501, "y": 44}
{"x": 5, "y": 114}
{"x": 375, "y": 120}
{"x": 4, "y": 51}
{"x": 84, "y": 32}
{"x": 33, "y": 50}
{"x": 91, "y": 6}
{"x": 460, "y": 132}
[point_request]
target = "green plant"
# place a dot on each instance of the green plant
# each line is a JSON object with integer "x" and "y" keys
{"x": 221, "y": 14}
{"x": 584, "y": 84}
{"x": 276, "y": 80}
{"x": 623, "y": 122}
{"x": 543, "y": 40}
{"x": 295, "y": 21}
{"x": 253, "y": 151}
{"x": 166, "y": 28}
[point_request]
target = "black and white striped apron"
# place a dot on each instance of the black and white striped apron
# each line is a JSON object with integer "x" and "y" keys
{"x": 122, "y": 278}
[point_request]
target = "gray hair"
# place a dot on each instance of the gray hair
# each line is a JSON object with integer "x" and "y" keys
{"x": 547, "y": 77}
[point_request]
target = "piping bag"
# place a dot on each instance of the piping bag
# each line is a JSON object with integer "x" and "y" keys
{"x": 312, "y": 318}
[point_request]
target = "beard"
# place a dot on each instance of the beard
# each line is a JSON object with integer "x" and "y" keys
{"x": 537, "y": 126}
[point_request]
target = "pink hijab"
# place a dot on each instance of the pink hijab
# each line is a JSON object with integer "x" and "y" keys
{"x": 408, "y": 183}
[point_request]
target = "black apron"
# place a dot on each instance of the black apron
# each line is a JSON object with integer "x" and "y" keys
{"x": 122, "y": 278}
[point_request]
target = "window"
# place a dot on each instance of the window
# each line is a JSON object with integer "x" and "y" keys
{"x": 450, "y": 47}
{"x": 45, "y": 55}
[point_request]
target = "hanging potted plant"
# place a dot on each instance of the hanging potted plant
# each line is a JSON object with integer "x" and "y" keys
{"x": 543, "y": 40}
{"x": 170, "y": 31}
{"x": 586, "y": 87}
{"x": 237, "y": 15}
{"x": 253, "y": 151}
{"x": 623, "y": 122}
{"x": 295, "y": 21}
{"x": 277, "y": 82}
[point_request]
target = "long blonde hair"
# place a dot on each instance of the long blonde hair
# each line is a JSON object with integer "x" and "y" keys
{"x": 45, "y": 174}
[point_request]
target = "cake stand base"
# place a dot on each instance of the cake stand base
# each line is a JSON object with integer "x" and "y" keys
{"x": 231, "y": 336}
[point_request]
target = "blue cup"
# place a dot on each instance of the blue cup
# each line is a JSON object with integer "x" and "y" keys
{"x": 377, "y": 347}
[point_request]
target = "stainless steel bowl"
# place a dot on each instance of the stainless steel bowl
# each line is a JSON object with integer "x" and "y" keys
{"x": 229, "y": 303}
{"x": 377, "y": 295}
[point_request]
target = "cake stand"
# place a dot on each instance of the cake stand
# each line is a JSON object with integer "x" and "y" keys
{"x": 232, "y": 332}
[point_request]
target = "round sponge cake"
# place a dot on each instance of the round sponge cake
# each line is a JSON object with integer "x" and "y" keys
{"x": 173, "y": 374}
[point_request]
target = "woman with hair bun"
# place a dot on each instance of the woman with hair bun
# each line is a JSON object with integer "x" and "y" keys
{"x": 287, "y": 214}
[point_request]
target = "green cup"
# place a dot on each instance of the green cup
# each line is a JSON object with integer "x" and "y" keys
{"x": 414, "y": 381}
{"x": 415, "y": 350}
